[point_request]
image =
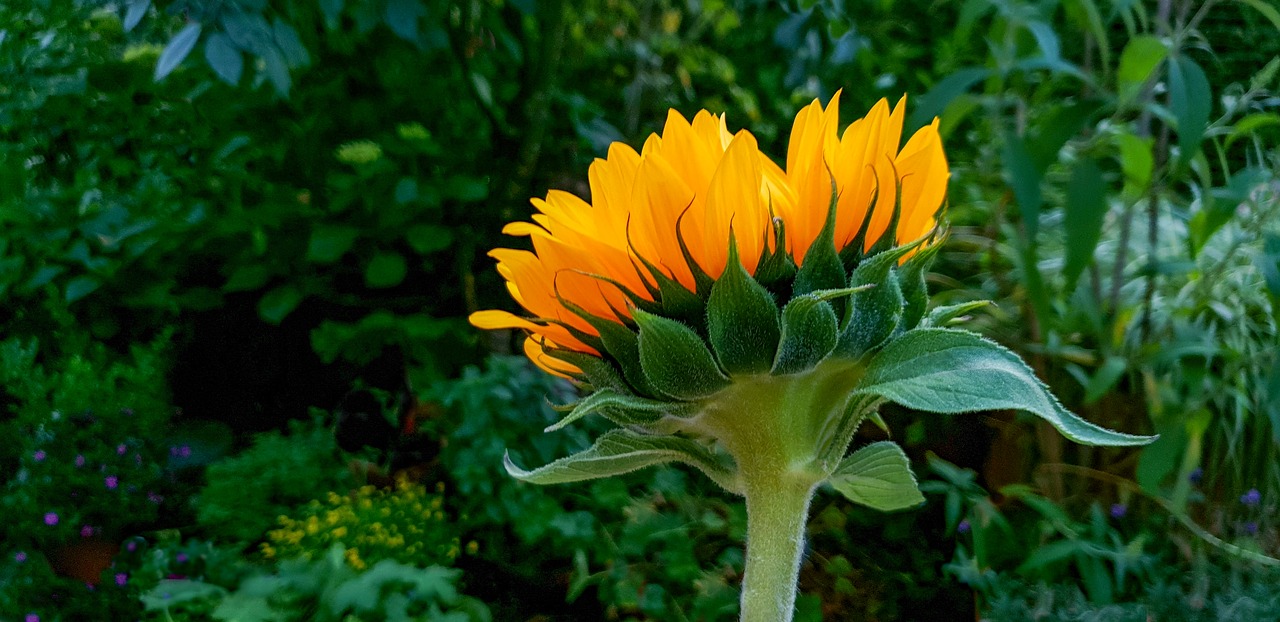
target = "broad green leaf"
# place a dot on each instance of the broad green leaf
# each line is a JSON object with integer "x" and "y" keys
{"x": 170, "y": 592}
{"x": 224, "y": 58}
{"x": 329, "y": 243}
{"x": 1139, "y": 59}
{"x": 1024, "y": 178}
{"x": 675, "y": 360}
{"x": 1138, "y": 163}
{"x": 951, "y": 371}
{"x": 290, "y": 46}
{"x": 177, "y": 49}
{"x": 622, "y": 451}
{"x": 278, "y": 303}
{"x": 1086, "y": 209}
{"x": 277, "y": 71}
{"x": 385, "y": 270}
{"x": 742, "y": 320}
{"x": 428, "y": 238}
{"x": 878, "y": 476}
{"x": 1191, "y": 100}
{"x": 332, "y": 10}
{"x": 617, "y": 405}
{"x": 809, "y": 334}
{"x": 932, "y": 103}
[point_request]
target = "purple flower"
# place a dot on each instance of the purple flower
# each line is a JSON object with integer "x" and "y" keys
{"x": 1118, "y": 510}
{"x": 131, "y": 546}
{"x": 121, "y": 449}
{"x": 39, "y": 456}
{"x": 51, "y": 518}
{"x": 184, "y": 451}
{"x": 86, "y": 531}
{"x": 111, "y": 482}
{"x": 137, "y": 459}
{"x": 31, "y": 617}
{"x": 1251, "y": 498}
{"x": 121, "y": 579}
{"x": 1251, "y": 528}
{"x": 155, "y": 498}
{"x": 182, "y": 558}
{"x": 1196, "y": 475}
{"x": 20, "y": 556}
{"x": 79, "y": 461}
{"x": 964, "y": 526}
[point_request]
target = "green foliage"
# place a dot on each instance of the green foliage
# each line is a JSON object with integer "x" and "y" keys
{"x": 245, "y": 494}
{"x": 324, "y": 589}
{"x": 878, "y": 476}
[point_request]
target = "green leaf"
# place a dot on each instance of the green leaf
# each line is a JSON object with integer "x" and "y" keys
{"x": 278, "y": 303}
{"x": 951, "y": 371}
{"x": 428, "y": 238}
{"x": 1268, "y": 11}
{"x": 134, "y": 12}
{"x": 329, "y": 243}
{"x": 385, "y": 270}
{"x": 1105, "y": 378}
{"x": 171, "y": 592}
{"x": 617, "y": 405}
{"x": 225, "y": 60}
{"x": 247, "y": 277}
{"x": 1252, "y": 123}
{"x": 949, "y": 314}
{"x": 80, "y": 287}
{"x": 932, "y": 103}
{"x": 290, "y": 46}
{"x": 277, "y": 71}
{"x": 915, "y": 291}
{"x": 622, "y": 451}
{"x": 675, "y": 360}
{"x": 809, "y": 334}
{"x": 1191, "y": 100}
{"x": 742, "y": 320}
{"x": 332, "y": 10}
{"x": 1024, "y": 179}
{"x": 1138, "y": 163}
{"x": 1086, "y": 209}
{"x": 878, "y": 476}
{"x": 177, "y": 49}
{"x": 1139, "y": 59}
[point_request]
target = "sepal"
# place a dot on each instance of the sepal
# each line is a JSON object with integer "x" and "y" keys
{"x": 876, "y": 311}
{"x": 620, "y": 408}
{"x": 942, "y": 317}
{"x": 742, "y": 320}
{"x": 809, "y": 334}
{"x": 675, "y": 360}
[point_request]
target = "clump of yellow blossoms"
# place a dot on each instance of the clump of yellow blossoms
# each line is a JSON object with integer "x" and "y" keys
{"x": 406, "y": 524}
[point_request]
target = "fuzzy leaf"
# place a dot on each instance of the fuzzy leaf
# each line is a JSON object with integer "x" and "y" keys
{"x": 876, "y": 311}
{"x": 675, "y": 360}
{"x": 622, "y": 451}
{"x": 951, "y": 371}
{"x": 942, "y": 316}
{"x": 742, "y": 320}
{"x": 618, "y": 406}
{"x": 809, "y": 328}
{"x": 878, "y": 476}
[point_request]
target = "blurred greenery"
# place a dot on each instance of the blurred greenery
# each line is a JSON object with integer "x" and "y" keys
{"x": 224, "y": 216}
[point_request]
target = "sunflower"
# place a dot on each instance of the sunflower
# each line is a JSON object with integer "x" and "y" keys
{"x": 673, "y": 214}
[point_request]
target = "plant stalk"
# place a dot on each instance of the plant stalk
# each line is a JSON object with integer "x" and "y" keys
{"x": 777, "y": 511}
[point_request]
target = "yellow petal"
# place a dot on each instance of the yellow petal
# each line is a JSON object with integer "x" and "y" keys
{"x": 495, "y": 319}
{"x": 734, "y": 200}
{"x": 554, "y": 366}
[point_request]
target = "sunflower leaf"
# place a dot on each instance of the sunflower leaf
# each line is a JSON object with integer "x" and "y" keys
{"x": 622, "y": 451}
{"x": 675, "y": 360}
{"x": 878, "y": 476}
{"x": 621, "y": 408}
{"x": 742, "y": 319}
{"x": 952, "y": 371}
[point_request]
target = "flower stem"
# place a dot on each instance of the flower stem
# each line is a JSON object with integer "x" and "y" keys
{"x": 777, "y": 509}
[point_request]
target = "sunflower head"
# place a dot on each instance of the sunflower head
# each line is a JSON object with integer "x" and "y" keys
{"x": 699, "y": 260}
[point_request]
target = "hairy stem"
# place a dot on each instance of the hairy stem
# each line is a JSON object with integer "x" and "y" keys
{"x": 777, "y": 509}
